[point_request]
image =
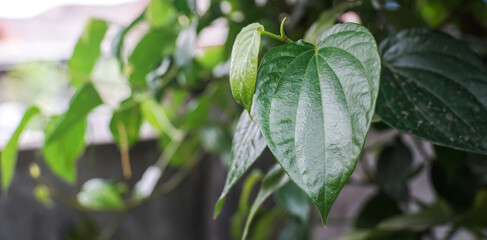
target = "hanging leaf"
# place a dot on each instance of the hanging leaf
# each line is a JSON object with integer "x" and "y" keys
{"x": 62, "y": 152}
{"x": 315, "y": 104}
{"x": 273, "y": 180}
{"x": 83, "y": 101}
{"x": 148, "y": 54}
{"x": 435, "y": 88}
{"x": 9, "y": 153}
{"x": 248, "y": 145}
{"x": 243, "y": 64}
{"x": 86, "y": 52}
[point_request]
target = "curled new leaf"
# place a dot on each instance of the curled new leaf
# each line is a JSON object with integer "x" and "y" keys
{"x": 243, "y": 67}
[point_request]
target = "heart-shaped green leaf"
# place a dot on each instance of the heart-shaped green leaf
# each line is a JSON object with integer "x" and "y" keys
{"x": 248, "y": 145}
{"x": 243, "y": 64}
{"x": 435, "y": 88}
{"x": 314, "y": 105}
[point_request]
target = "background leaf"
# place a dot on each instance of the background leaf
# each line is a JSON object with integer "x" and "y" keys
{"x": 9, "y": 153}
{"x": 248, "y": 145}
{"x": 86, "y": 52}
{"x": 243, "y": 64}
{"x": 393, "y": 168}
{"x": 435, "y": 88}
{"x": 83, "y": 101}
{"x": 62, "y": 152}
{"x": 127, "y": 118}
{"x": 100, "y": 194}
{"x": 273, "y": 180}
{"x": 314, "y": 106}
{"x": 326, "y": 20}
{"x": 148, "y": 54}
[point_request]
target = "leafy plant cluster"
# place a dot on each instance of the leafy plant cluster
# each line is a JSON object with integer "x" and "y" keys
{"x": 311, "y": 102}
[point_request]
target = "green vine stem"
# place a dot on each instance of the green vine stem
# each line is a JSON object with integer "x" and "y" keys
{"x": 282, "y": 37}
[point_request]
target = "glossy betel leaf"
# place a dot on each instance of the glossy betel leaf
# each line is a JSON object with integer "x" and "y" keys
{"x": 62, "y": 152}
{"x": 435, "y": 88}
{"x": 315, "y": 104}
{"x": 273, "y": 180}
{"x": 9, "y": 153}
{"x": 86, "y": 52}
{"x": 126, "y": 121}
{"x": 243, "y": 64}
{"x": 83, "y": 101}
{"x": 248, "y": 145}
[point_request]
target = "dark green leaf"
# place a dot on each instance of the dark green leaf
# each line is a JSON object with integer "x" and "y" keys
{"x": 9, "y": 153}
{"x": 274, "y": 179}
{"x": 294, "y": 200}
{"x": 125, "y": 123}
{"x": 476, "y": 215}
{"x": 438, "y": 214}
{"x": 392, "y": 171}
{"x": 83, "y": 101}
{"x": 100, "y": 194}
{"x": 315, "y": 105}
{"x": 452, "y": 178}
{"x": 243, "y": 64}
{"x": 248, "y": 145}
{"x": 148, "y": 54}
{"x": 375, "y": 210}
{"x": 86, "y": 52}
{"x": 434, "y": 87}
{"x": 62, "y": 152}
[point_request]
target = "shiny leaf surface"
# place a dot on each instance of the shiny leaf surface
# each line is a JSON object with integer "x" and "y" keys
{"x": 243, "y": 64}
{"x": 314, "y": 106}
{"x": 435, "y": 88}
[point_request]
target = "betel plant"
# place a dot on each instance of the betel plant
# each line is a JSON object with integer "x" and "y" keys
{"x": 311, "y": 102}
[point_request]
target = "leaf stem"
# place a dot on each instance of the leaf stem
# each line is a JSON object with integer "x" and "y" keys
{"x": 280, "y": 38}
